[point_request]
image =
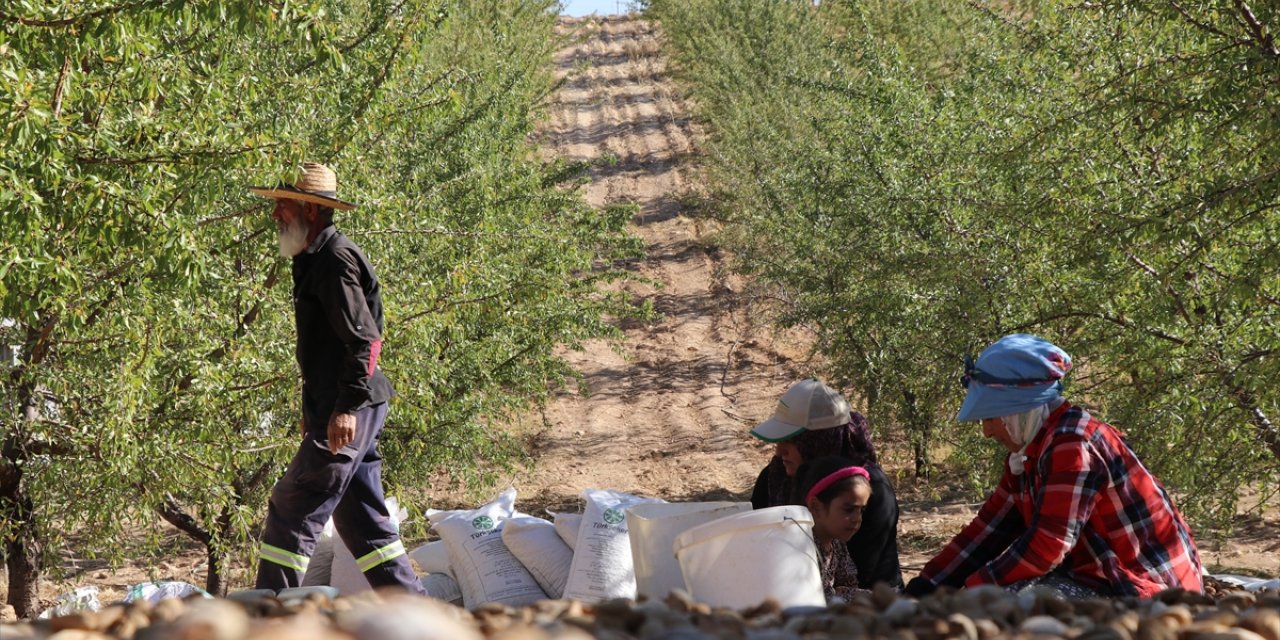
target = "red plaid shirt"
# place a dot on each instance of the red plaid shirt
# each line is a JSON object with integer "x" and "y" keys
{"x": 1086, "y": 504}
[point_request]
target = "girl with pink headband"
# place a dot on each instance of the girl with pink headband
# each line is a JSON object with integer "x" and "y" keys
{"x": 812, "y": 420}
{"x": 835, "y": 491}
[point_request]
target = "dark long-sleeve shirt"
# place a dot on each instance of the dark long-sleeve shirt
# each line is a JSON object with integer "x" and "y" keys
{"x": 874, "y": 548}
{"x": 337, "y": 305}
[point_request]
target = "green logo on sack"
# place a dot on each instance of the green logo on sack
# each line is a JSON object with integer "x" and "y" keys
{"x": 613, "y": 516}
{"x": 483, "y": 523}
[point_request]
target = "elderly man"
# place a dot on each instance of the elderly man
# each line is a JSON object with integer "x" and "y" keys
{"x": 1075, "y": 511}
{"x": 337, "y": 470}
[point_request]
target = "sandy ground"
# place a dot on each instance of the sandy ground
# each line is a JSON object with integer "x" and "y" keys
{"x": 668, "y": 413}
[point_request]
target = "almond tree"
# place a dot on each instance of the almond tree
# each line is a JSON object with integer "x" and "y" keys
{"x": 154, "y": 369}
{"x": 913, "y": 180}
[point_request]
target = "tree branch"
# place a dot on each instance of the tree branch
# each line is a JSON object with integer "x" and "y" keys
{"x": 13, "y": 448}
{"x": 509, "y": 361}
{"x": 249, "y": 318}
{"x": 446, "y": 304}
{"x": 376, "y": 85}
{"x": 244, "y": 485}
{"x": 1168, "y": 287}
{"x": 60, "y": 86}
{"x": 1268, "y": 298}
{"x": 1266, "y": 429}
{"x": 245, "y": 211}
{"x": 1186, "y": 15}
{"x": 257, "y": 385}
{"x": 242, "y": 327}
{"x": 1117, "y": 320}
{"x": 1257, "y": 29}
{"x": 375, "y": 26}
{"x": 176, "y": 515}
{"x": 74, "y": 20}
{"x": 175, "y": 158}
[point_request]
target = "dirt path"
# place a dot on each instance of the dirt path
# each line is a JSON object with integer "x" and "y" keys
{"x": 669, "y": 415}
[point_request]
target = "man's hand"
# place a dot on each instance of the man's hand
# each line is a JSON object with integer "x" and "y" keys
{"x": 342, "y": 431}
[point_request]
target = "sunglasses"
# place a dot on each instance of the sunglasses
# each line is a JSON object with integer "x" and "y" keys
{"x": 972, "y": 373}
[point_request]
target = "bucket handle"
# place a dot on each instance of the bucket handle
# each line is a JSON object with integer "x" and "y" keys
{"x": 809, "y": 534}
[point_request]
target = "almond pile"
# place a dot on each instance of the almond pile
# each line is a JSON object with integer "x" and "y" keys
{"x": 971, "y": 614}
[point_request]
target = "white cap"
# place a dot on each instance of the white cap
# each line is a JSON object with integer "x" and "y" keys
{"x": 808, "y": 405}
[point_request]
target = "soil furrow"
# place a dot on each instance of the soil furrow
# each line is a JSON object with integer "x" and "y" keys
{"x": 659, "y": 419}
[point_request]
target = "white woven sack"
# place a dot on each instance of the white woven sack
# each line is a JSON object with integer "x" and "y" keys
{"x": 602, "y": 568}
{"x": 536, "y": 544}
{"x": 432, "y": 557}
{"x": 484, "y": 567}
{"x": 438, "y": 515}
{"x": 567, "y": 525}
{"x": 442, "y": 586}
{"x": 319, "y": 571}
{"x": 343, "y": 573}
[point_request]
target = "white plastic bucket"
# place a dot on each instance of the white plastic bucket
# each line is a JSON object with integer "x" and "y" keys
{"x": 654, "y": 528}
{"x": 739, "y": 560}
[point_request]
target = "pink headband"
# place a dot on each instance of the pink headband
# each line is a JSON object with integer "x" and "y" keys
{"x": 836, "y": 476}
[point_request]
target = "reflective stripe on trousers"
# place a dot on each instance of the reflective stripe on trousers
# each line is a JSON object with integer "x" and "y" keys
{"x": 379, "y": 556}
{"x": 283, "y": 558}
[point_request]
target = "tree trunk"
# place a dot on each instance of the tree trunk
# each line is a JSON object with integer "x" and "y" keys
{"x": 919, "y": 425}
{"x": 22, "y": 550}
{"x": 177, "y": 515}
{"x": 216, "y": 580}
{"x": 22, "y": 555}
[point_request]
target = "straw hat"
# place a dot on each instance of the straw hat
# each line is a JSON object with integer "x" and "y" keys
{"x": 318, "y": 184}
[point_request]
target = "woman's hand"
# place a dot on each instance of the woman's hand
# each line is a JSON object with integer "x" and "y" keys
{"x": 919, "y": 587}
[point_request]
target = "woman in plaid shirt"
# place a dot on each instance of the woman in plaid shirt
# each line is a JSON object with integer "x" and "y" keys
{"x": 1075, "y": 510}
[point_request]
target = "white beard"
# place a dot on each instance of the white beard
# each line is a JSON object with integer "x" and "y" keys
{"x": 292, "y": 238}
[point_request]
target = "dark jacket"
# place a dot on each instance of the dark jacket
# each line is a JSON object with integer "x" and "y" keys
{"x": 874, "y": 548}
{"x": 337, "y": 305}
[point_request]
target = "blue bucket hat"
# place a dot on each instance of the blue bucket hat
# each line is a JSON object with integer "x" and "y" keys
{"x": 1017, "y": 373}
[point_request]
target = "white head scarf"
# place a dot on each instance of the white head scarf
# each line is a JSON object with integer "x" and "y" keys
{"x": 1023, "y": 428}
